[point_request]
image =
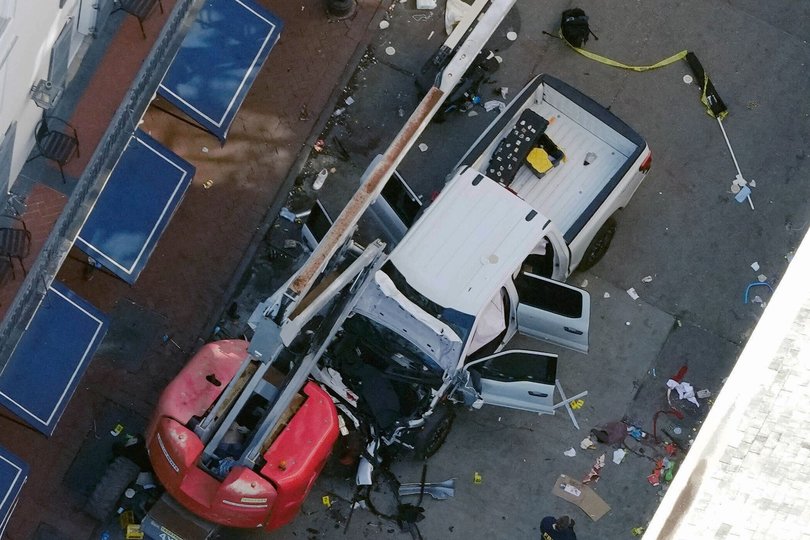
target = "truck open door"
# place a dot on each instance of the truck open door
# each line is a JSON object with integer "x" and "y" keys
{"x": 517, "y": 379}
{"x": 553, "y": 311}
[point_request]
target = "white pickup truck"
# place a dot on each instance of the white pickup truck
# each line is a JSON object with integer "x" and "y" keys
{"x": 529, "y": 202}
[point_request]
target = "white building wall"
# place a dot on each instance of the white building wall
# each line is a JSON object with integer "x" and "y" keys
{"x": 32, "y": 27}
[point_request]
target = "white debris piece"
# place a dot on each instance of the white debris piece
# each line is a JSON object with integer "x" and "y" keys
{"x": 584, "y": 283}
{"x": 384, "y": 24}
{"x": 511, "y": 35}
{"x": 646, "y": 279}
{"x": 632, "y": 292}
{"x": 390, "y": 51}
{"x": 425, "y": 4}
{"x": 349, "y": 100}
{"x": 570, "y": 452}
{"x": 762, "y": 278}
{"x": 493, "y": 104}
{"x": 472, "y": 113}
{"x": 587, "y": 444}
{"x": 618, "y": 455}
{"x": 423, "y": 147}
{"x": 205, "y": 149}
{"x": 504, "y": 91}
{"x": 703, "y": 394}
{"x": 606, "y": 295}
{"x": 687, "y": 79}
{"x": 755, "y": 266}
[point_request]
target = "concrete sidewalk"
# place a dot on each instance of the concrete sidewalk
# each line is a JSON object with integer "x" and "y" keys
{"x": 198, "y": 260}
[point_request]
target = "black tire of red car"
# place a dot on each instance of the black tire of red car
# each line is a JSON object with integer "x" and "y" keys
{"x": 437, "y": 426}
{"x": 119, "y": 474}
{"x": 599, "y": 245}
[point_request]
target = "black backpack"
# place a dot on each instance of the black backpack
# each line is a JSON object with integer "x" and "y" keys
{"x": 574, "y": 27}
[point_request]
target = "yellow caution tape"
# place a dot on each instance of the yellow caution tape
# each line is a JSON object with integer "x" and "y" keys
{"x": 607, "y": 61}
{"x": 577, "y": 403}
{"x": 705, "y": 100}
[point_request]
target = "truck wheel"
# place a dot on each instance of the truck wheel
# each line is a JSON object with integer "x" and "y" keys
{"x": 599, "y": 245}
{"x": 433, "y": 434}
{"x": 119, "y": 474}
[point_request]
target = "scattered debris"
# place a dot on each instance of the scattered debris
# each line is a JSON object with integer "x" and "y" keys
{"x": 319, "y": 145}
{"x": 390, "y": 51}
{"x": 205, "y": 149}
{"x": 684, "y": 389}
{"x": 303, "y": 113}
{"x": 762, "y": 278}
{"x": 423, "y": 147}
{"x": 430, "y": 35}
{"x": 618, "y": 455}
{"x": 327, "y": 502}
{"x": 384, "y": 24}
{"x": 627, "y": 323}
{"x": 632, "y": 292}
{"x": 703, "y": 394}
{"x": 208, "y": 183}
{"x": 338, "y": 112}
{"x": 596, "y": 468}
{"x": 647, "y": 279}
{"x": 287, "y": 214}
{"x": 590, "y": 157}
{"x": 584, "y": 283}
{"x": 606, "y": 295}
{"x": 472, "y": 113}
{"x": 687, "y": 79}
{"x": 577, "y": 404}
{"x": 349, "y": 100}
{"x": 438, "y": 490}
{"x": 755, "y": 284}
{"x": 493, "y": 104}
{"x": 570, "y": 452}
{"x": 755, "y": 266}
{"x": 320, "y": 179}
{"x": 587, "y": 444}
{"x": 638, "y": 531}
{"x": 503, "y": 90}
{"x": 511, "y": 35}
{"x": 477, "y": 479}
{"x": 425, "y": 4}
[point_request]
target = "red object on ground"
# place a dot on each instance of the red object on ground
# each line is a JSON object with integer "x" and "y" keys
{"x": 247, "y": 497}
{"x": 681, "y": 374}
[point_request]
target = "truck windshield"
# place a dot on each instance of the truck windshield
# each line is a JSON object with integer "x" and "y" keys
{"x": 461, "y": 323}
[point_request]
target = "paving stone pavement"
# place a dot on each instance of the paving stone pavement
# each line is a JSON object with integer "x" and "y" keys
{"x": 198, "y": 258}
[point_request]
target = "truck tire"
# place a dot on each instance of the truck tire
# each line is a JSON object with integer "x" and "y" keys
{"x": 433, "y": 434}
{"x": 599, "y": 245}
{"x": 119, "y": 474}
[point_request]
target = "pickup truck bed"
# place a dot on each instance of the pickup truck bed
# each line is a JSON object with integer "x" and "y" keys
{"x": 571, "y": 192}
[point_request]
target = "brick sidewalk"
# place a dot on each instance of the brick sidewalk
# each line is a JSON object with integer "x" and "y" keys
{"x": 197, "y": 259}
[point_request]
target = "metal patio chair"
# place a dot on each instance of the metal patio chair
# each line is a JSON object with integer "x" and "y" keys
{"x": 15, "y": 243}
{"x": 56, "y": 140}
{"x": 140, "y": 9}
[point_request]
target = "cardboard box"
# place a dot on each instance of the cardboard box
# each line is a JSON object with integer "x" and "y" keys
{"x": 581, "y": 495}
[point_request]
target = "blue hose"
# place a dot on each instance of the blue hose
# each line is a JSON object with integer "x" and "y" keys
{"x": 754, "y": 284}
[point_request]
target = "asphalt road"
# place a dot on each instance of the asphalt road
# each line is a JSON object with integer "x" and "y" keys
{"x": 683, "y": 229}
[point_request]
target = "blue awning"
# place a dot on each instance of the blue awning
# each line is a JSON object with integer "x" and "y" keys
{"x": 134, "y": 207}
{"x": 13, "y": 474}
{"x": 219, "y": 60}
{"x": 50, "y": 358}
